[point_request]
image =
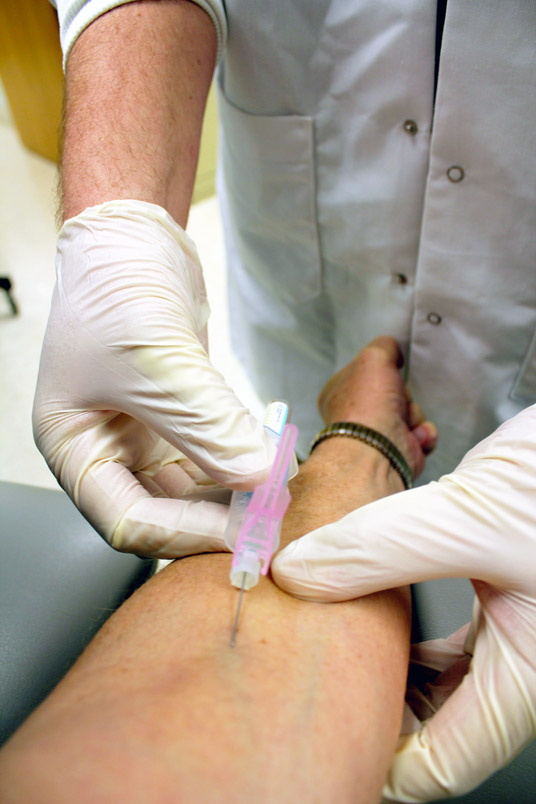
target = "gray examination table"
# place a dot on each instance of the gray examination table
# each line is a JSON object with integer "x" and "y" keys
{"x": 59, "y": 582}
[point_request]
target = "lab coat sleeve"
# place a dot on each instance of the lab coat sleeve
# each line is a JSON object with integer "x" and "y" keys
{"x": 75, "y": 15}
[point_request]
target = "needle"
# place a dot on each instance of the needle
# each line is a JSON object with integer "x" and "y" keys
{"x": 235, "y": 626}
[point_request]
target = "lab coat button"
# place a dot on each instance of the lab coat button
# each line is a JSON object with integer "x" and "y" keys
{"x": 401, "y": 279}
{"x": 411, "y": 127}
{"x": 433, "y": 318}
{"x": 455, "y": 173}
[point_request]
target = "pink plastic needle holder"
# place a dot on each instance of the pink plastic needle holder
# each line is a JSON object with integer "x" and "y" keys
{"x": 258, "y": 537}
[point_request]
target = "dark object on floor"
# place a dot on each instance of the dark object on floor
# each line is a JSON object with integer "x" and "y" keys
{"x": 6, "y": 285}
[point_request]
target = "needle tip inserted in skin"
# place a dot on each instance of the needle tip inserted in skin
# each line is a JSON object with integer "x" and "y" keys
{"x": 235, "y": 625}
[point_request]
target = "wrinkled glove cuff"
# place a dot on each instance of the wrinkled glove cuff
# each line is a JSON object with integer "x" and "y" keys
{"x": 373, "y": 439}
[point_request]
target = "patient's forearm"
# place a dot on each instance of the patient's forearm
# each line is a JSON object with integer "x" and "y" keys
{"x": 341, "y": 475}
{"x": 305, "y": 708}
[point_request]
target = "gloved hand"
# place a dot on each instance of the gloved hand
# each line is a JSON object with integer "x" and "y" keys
{"x": 129, "y": 413}
{"x": 478, "y": 522}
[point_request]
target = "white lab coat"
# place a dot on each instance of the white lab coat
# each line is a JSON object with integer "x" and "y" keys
{"x": 347, "y": 216}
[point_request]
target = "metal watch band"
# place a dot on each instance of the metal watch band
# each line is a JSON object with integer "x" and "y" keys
{"x": 373, "y": 439}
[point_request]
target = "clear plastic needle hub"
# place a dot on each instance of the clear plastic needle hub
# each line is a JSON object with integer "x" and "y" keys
{"x": 260, "y": 523}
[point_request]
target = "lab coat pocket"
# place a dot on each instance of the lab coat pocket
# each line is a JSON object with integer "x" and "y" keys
{"x": 269, "y": 183}
{"x": 524, "y": 389}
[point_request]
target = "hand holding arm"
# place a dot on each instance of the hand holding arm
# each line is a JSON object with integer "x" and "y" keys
{"x": 478, "y": 522}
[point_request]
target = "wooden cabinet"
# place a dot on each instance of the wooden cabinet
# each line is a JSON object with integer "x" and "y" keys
{"x": 31, "y": 71}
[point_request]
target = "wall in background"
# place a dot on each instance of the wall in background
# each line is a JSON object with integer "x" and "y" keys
{"x": 5, "y": 114}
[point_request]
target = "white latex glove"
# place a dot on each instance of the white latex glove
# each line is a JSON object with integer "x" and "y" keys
{"x": 125, "y": 383}
{"x": 478, "y": 522}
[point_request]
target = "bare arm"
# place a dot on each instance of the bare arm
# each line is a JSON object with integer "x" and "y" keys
{"x": 136, "y": 86}
{"x": 306, "y": 707}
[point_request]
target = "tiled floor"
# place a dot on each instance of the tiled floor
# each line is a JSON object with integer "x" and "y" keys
{"x": 27, "y": 245}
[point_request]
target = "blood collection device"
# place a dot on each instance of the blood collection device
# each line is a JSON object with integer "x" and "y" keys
{"x": 255, "y": 518}
{"x": 275, "y": 417}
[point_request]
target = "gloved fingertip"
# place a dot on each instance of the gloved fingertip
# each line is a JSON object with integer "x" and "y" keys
{"x": 288, "y": 570}
{"x": 296, "y": 572}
